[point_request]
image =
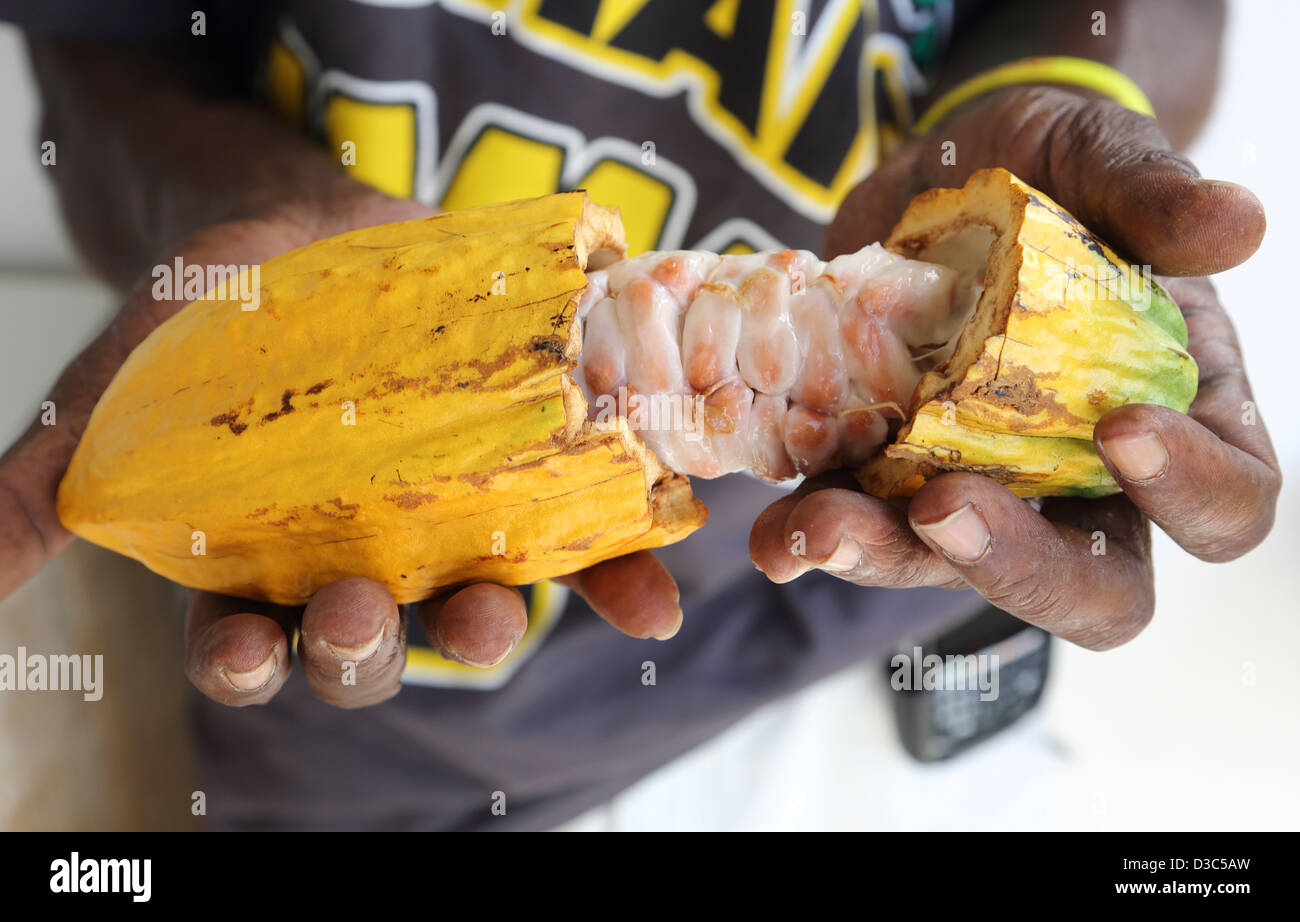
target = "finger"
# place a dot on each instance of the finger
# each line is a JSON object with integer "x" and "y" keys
{"x": 769, "y": 548}
{"x": 1115, "y": 171}
{"x": 634, "y": 593}
{"x": 1164, "y": 460}
{"x": 864, "y": 540}
{"x": 478, "y": 625}
{"x": 353, "y": 643}
{"x": 872, "y": 207}
{"x": 30, "y": 530}
{"x": 1224, "y": 403}
{"x": 1214, "y": 499}
{"x": 236, "y": 650}
{"x": 1095, "y": 592}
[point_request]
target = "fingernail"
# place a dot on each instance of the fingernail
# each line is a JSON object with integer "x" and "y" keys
{"x": 801, "y": 567}
{"x": 677, "y": 626}
{"x": 962, "y": 534}
{"x": 361, "y": 652}
{"x": 477, "y": 665}
{"x": 1139, "y": 457}
{"x": 459, "y": 657}
{"x": 846, "y": 556}
{"x": 253, "y": 679}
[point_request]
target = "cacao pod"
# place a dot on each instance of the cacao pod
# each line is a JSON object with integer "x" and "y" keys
{"x": 1063, "y": 332}
{"x": 397, "y": 407}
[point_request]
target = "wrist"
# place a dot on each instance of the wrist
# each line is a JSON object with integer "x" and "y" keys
{"x": 1084, "y": 78}
{"x": 1022, "y": 105}
{"x": 315, "y": 195}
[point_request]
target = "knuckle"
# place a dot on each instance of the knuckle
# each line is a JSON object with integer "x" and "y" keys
{"x": 1035, "y": 117}
{"x": 1030, "y": 596}
{"x": 1040, "y": 107}
{"x": 1092, "y": 121}
{"x": 1129, "y": 139}
{"x": 907, "y": 573}
{"x": 891, "y": 563}
{"x": 1085, "y": 132}
{"x": 1218, "y": 526}
{"x": 893, "y": 570}
{"x": 1118, "y": 628}
{"x": 1089, "y": 123}
{"x": 909, "y": 567}
{"x": 1232, "y": 528}
{"x": 1068, "y": 609}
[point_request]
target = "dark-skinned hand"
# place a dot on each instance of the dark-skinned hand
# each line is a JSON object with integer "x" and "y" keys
{"x": 237, "y": 651}
{"x": 1209, "y": 478}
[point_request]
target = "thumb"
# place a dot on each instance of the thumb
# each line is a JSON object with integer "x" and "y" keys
{"x": 872, "y": 207}
{"x": 1111, "y": 168}
{"x": 30, "y": 531}
{"x": 1122, "y": 180}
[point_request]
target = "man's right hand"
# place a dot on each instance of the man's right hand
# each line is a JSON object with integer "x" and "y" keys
{"x": 237, "y": 651}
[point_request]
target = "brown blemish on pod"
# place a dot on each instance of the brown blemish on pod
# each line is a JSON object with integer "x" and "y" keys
{"x": 231, "y": 420}
{"x": 286, "y": 407}
{"x": 411, "y": 499}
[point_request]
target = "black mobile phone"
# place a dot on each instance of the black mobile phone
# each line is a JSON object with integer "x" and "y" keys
{"x": 967, "y": 684}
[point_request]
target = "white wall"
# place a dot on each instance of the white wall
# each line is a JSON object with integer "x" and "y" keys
{"x": 31, "y": 232}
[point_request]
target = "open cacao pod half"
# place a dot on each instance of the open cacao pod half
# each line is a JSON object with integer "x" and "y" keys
{"x": 400, "y": 404}
{"x": 1064, "y": 331}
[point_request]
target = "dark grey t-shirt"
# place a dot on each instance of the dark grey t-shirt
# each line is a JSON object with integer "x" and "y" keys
{"x": 718, "y": 125}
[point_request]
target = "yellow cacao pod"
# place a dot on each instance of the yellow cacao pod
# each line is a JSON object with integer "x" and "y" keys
{"x": 397, "y": 407}
{"x": 1064, "y": 331}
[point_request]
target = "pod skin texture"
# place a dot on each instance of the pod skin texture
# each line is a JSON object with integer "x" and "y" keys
{"x": 397, "y": 407}
{"x": 1060, "y": 337}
